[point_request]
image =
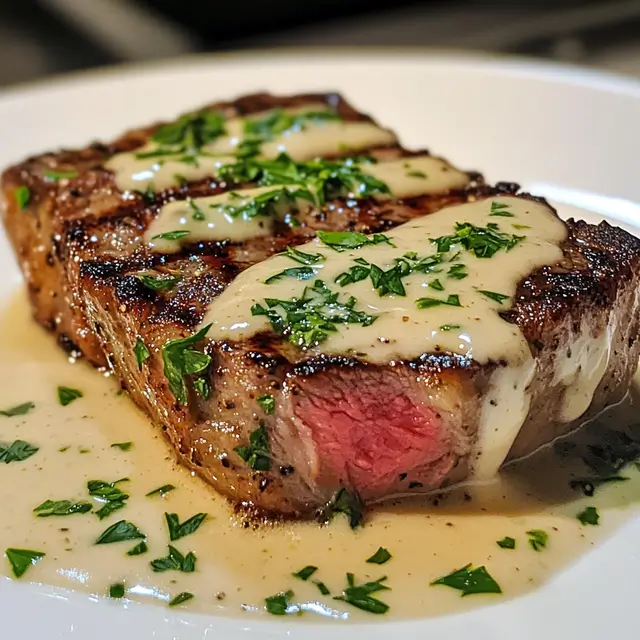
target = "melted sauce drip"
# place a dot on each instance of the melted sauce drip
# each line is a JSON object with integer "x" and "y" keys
{"x": 313, "y": 139}
{"x": 238, "y": 567}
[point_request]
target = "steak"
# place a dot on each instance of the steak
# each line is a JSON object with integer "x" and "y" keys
{"x": 339, "y": 430}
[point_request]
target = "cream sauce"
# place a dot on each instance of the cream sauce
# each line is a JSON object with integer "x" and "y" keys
{"x": 213, "y": 219}
{"x": 238, "y": 567}
{"x": 405, "y": 178}
{"x": 315, "y": 138}
{"x": 402, "y": 331}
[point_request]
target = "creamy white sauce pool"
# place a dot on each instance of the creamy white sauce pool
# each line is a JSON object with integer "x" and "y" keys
{"x": 237, "y": 567}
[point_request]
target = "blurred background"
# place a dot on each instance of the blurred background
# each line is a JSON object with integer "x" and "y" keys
{"x": 39, "y": 38}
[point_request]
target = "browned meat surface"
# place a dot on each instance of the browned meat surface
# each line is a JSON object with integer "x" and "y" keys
{"x": 337, "y": 423}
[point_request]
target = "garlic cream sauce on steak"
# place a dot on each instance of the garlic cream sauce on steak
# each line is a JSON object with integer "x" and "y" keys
{"x": 448, "y": 277}
{"x": 229, "y": 216}
{"x": 302, "y": 132}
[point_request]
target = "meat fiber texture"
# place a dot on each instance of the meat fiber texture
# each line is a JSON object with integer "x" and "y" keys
{"x": 339, "y": 426}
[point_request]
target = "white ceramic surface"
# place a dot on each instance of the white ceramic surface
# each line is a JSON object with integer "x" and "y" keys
{"x": 567, "y": 133}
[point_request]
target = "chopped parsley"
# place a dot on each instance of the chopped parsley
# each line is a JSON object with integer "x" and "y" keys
{"x": 123, "y": 446}
{"x": 197, "y": 213}
{"x": 380, "y": 556}
{"x": 436, "y": 285}
{"x": 66, "y": 395}
{"x": 322, "y": 587}
{"x": 416, "y": 174}
{"x": 428, "y": 302}
{"x": 302, "y": 257}
{"x": 267, "y": 203}
{"x": 277, "y": 605}
{"x": 258, "y": 454}
{"x": 139, "y": 549}
{"x": 349, "y": 503}
{"x": 345, "y": 240}
{"x": 142, "y": 352}
{"x": 500, "y": 209}
{"x": 177, "y": 530}
{"x": 277, "y": 121}
{"x": 470, "y": 581}
{"x": 109, "y": 494}
{"x": 175, "y": 561}
{"x": 60, "y": 175}
{"x": 161, "y": 491}
{"x": 538, "y": 539}
{"x": 492, "y": 295}
{"x": 120, "y": 532}
{"x": 117, "y": 590}
{"x": 449, "y": 327}
{"x": 507, "y": 543}
{"x": 188, "y": 134}
{"x": 305, "y": 573}
{"x": 458, "y": 271}
{"x": 61, "y": 508}
{"x": 483, "y": 242}
{"x": 17, "y": 451}
{"x": 18, "y": 410}
{"x": 360, "y": 595}
{"x": 589, "y": 516}
{"x": 301, "y": 273}
{"x": 22, "y": 194}
{"x": 267, "y": 402}
{"x": 158, "y": 283}
{"x": 21, "y": 559}
{"x": 172, "y": 235}
{"x": 307, "y": 321}
{"x": 181, "y": 598}
{"x": 181, "y": 360}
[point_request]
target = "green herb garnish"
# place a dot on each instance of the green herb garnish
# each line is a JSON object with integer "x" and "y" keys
{"x": 61, "y": 175}
{"x": 19, "y": 410}
{"x": 197, "y": 213}
{"x": 470, "y": 581}
{"x": 158, "y": 283}
{"x": 123, "y": 446}
{"x": 268, "y": 203}
{"x": 436, "y": 285}
{"x": 277, "y": 121}
{"x": 22, "y": 194}
{"x": 380, "y": 556}
{"x": 177, "y": 530}
{"x": 175, "y": 561}
{"x": 307, "y": 321}
{"x": 139, "y": 549}
{"x": 449, "y": 327}
{"x": 348, "y": 503}
{"x": 172, "y": 235}
{"x": 302, "y": 257}
{"x": 116, "y": 591}
{"x": 277, "y": 605}
{"x": 142, "y": 352}
{"x": 345, "y": 240}
{"x": 109, "y": 494}
{"x": 507, "y": 543}
{"x": 300, "y": 273}
{"x": 538, "y": 539}
{"x": 162, "y": 491}
{"x": 428, "y": 302}
{"x": 416, "y": 174}
{"x": 589, "y": 516}
{"x": 188, "y": 134}
{"x": 181, "y": 360}
{"x": 483, "y": 242}
{"x": 360, "y": 595}
{"x": 267, "y": 402}
{"x": 119, "y": 532}
{"x": 492, "y": 295}
{"x": 17, "y": 451}
{"x": 305, "y": 573}
{"x": 500, "y": 209}
{"x": 21, "y": 559}
{"x": 180, "y": 598}
{"x": 458, "y": 271}
{"x": 66, "y": 395}
{"x": 257, "y": 454}
{"x": 61, "y": 508}
{"x": 322, "y": 587}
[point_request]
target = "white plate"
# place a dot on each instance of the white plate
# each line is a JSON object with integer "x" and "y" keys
{"x": 567, "y": 133}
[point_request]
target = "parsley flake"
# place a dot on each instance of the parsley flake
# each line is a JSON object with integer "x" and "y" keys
{"x": 267, "y": 402}
{"x": 22, "y": 194}
{"x": 177, "y": 530}
{"x": 305, "y": 573}
{"x": 21, "y": 559}
{"x": 161, "y": 491}
{"x": 123, "y": 446}
{"x": 538, "y": 539}
{"x": 61, "y": 508}
{"x": 181, "y": 598}
{"x": 360, "y": 595}
{"x": 506, "y": 543}
{"x": 142, "y": 352}
{"x": 19, "y": 410}
{"x": 380, "y": 556}
{"x": 492, "y": 295}
{"x": 258, "y": 454}
{"x": 17, "y": 451}
{"x": 278, "y": 605}
{"x": 589, "y": 516}
{"x": 119, "y": 532}
{"x": 117, "y": 591}
{"x": 175, "y": 561}
{"x": 470, "y": 581}
{"x": 428, "y": 302}
{"x": 66, "y": 395}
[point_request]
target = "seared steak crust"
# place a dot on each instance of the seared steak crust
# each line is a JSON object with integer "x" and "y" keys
{"x": 338, "y": 422}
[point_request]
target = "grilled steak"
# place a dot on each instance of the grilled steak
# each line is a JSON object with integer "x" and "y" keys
{"x": 336, "y": 425}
